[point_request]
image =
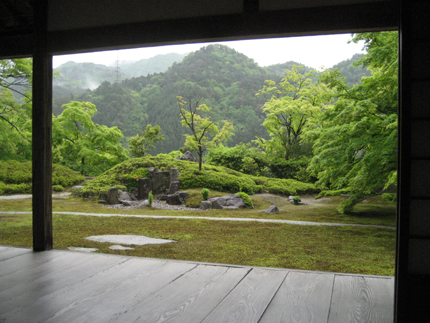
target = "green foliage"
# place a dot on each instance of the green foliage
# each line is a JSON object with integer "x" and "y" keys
{"x": 141, "y": 145}
{"x": 205, "y": 194}
{"x": 240, "y": 158}
{"x": 205, "y": 134}
{"x": 15, "y": 108}
{"x": 293, "y": 106}
{"x": 16, "y": 176}
{"x": 150, "y": 199}
{"x": 131, "y": 180}
{"x": 391, "y": 197}
{"x": 82, "y": 143}
{"x": 213, "y": 177}
{"x": 355, "y": 146}
{"x": 246, "y": 199}
{"x": 57, "y": 188}
{"x": 172, "y": 155}
{"x": 346, "y": 206}
{"x": 332, "y": 193}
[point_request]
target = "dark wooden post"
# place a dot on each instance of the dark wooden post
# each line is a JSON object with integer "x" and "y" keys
{"x": 42, "y": 132}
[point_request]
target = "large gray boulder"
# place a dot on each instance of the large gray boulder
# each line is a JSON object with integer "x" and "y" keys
{"x": 174, "y": 199}
{"x": 112, "y": 196}
{"x": 232, "y": 201}
{"x": 188, "y": 156}
{"x": 143, "y": 188}
{"x": 206, "y": 205}
{"x": 272, "y": 209}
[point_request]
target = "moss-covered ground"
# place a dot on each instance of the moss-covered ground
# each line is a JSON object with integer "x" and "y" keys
{"x": 338, "y": 249}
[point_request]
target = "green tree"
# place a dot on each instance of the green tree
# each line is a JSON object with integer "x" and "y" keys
{"x": 205, "y": 133}
{"x": 83, "y": 144}
{"x": 141, "y": 145}
{"x": 15, "y": 108}
{"x": 355, "y": 146}
{"x": 293, "y": 107}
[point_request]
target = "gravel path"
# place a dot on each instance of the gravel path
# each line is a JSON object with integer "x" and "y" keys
{"x": 218, "y": 219}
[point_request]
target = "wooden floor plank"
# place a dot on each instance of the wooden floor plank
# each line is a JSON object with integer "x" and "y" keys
{"x": 303, "y": 298}
{"x": 10, "y": 268}
{"x": 362, "y": 299}
{"x": 7, "y": 253}
{"x": 250, "y": 298}
{"x": 99, "y": 297}
{"x": 52, "y": 276}
{"x": 188, "y": 299}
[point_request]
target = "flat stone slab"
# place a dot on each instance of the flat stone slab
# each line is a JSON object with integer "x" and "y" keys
{"x": 83, "y": 249}
{"x": 118, "y": 247}
{"x": 128, "y": 239}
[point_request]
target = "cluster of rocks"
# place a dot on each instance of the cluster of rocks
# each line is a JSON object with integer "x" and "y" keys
{"x": 232, "y": 201}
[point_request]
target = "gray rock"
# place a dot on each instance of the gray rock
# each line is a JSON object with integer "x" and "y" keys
{"x": 151, "y": 169}
{"x": 206, "y": 205}
{"x": 112, "y": 196}
{"x": 188, "y": 156}
{"x": 174, "y": 187}
{"x": 126, "y": 203}
{"x": 161, "y": 197}
{"x": 232, "y": 201}
{"x": 160, "y": 181}
{"x": 174, "y": 199}
{"x": 272, "y": 209}
{"x": 174, "y": 174}
{"x": 125, "y": 196}
{"x": 183, "y": 195}
{"x": 102, "y": 202}
{"x": 143, "y": 188}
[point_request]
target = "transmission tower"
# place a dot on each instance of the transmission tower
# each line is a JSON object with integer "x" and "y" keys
{"x": 117, "y": 79}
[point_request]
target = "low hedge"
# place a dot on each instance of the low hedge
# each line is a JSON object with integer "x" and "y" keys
{"x": 214, "y": 177}
{"x": 16, "y": 177}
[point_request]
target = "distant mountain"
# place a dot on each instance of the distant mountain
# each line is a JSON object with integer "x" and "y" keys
{"x": 156, "y": 64}
{"x": 224, "y": 79}
{"x": 75, "y": 78}
{"x": 352, "y": 74}
{"x": 278, "y": 69}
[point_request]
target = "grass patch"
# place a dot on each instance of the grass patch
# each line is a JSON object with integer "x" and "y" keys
{"x": 335, "y": 249}
{"x": 372, "y": 211}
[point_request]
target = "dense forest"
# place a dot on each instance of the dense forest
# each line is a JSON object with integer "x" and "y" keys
{"x": 226, "y": 80}
{"x": 336, "y": 128}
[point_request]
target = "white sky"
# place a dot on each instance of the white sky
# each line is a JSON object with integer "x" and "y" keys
{"x": 313, "y": 51}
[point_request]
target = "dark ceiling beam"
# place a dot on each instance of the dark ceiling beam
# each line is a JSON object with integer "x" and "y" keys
{"x": 296, "y": 22}
{"x": 17, "y": 15}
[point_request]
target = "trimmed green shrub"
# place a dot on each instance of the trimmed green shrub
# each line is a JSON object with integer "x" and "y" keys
{"x": 205, "y": 194}
{"x": 333, "y": 193}
{"x": 391, "y": 197}
{"x": 16, "y": 176}
{"x": 246, "y": 199}
{"x": 150, "y": 199}
{"x": 296, "y": 199}
{"x": 57, "y": 188}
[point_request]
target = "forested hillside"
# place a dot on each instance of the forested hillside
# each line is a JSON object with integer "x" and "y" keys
{"x": 227, "y": 82}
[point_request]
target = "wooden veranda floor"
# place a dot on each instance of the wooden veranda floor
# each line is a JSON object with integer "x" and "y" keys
{"x": 70, "y": 286}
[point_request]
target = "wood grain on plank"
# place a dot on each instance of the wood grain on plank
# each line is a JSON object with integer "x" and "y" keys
{"x": 188, "y": 299}
{"x": 95, "y": 299}
{"x": 9, "y": 252}
{"x": 31, "y": 284}
{"x": 362, "y": 299}
{"x": 248, "y": 301}
{"x": 303, "y": 297}
{"x": 108, "y": 295}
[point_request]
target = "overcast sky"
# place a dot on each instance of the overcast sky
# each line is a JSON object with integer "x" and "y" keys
{"x": 313, "y": 51}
